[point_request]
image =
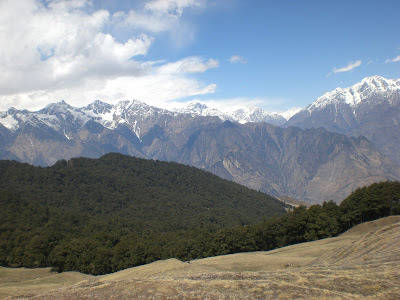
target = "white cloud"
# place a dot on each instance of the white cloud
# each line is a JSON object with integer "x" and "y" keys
{"x": 158, "y": 16}
{"x": 172, "y": 7}
{"x": 156, "y": 89}
{"x": 396, "y": 59}
{"x": 238, "y": 59}
{"x": 146, "y": 21}
{"x": 60, "y": 51}
{"x": 189, "y": 65}
{"x": 58, "y": 45}
{"x": 349, "y": 67}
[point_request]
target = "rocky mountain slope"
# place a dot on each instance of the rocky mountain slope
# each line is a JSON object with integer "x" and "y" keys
{"x": 312, "y": 164}
{"x": 370, "y": 108}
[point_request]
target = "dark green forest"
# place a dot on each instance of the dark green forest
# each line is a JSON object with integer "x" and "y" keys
{"x": 102, "y": 215}
{"x": 78, "y": 213}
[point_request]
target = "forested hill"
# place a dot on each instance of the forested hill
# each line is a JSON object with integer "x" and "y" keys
{"x": 104, "y": 200}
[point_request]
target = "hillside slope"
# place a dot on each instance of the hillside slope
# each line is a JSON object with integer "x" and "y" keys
{"x": 306, "y": 271}
{"x": 116, "y": 211}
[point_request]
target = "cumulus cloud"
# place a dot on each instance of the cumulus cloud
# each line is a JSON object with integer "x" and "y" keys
{"x": 57, "y": 50}
{"x": 155, "y": 89}
{"x": 238, "y": 59}
{"x": 349, "y": 67}
{"x": 396, "y": 59}
{"x": 59, "y": 45}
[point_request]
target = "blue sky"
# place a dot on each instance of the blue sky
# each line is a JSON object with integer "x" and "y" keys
{"x": 271, "y": 54}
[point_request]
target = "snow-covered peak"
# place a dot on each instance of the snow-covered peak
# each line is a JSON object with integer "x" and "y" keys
{"x": 55, "y": 108}
{"x": 61, "y": 115}
{"x": 138, "y": 108}
{"x": 379, "y": 83}
{"x": 256, "y": 114}
{"x": 196, "y": 106}
{"x": 241, "y": 115}
{"x": 98, "y": 107}
{"x": 9, "y": 119}
{"x": 290, "y": 112}
{"x": 357, "y": 94}
{"x": 201, "y": 109}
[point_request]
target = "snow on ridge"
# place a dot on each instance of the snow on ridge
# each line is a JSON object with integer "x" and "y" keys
{"x": 201, "y": 109}
{"x": 55, "y": 115}
{"x": 290, "y": 112}
{"x": 241, "y": 115}
{"x": 9, "y": 122}
{"x": 131, "y": 112}
{"x": 12, "y": 118}
{"x": 356, "y": 94}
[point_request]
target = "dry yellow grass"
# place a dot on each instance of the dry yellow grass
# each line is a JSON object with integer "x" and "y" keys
{"x": 363, "y": 263}
{"x": 22, "y": 281}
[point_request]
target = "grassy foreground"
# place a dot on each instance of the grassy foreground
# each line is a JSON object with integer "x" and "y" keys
{"x": 362, "y": 263}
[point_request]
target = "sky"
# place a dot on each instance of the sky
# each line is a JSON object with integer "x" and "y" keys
{"x": 167, "y": 53}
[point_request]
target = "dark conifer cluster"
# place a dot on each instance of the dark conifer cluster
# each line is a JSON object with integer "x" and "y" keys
{"x": 102, "y": 215}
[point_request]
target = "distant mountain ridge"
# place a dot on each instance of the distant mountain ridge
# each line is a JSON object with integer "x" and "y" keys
{"x": 370, "y": 108}
{"x": 127, "y": 112}
{"x": 310, "y": 164}
{"x": 240, "y": 115}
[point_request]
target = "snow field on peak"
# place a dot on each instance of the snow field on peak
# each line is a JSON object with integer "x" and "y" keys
{"x": 241, "y": 115}
{"x": 9, "y": 122}
{"x": 356, "y": 94}
{"x": 367, "y": 93}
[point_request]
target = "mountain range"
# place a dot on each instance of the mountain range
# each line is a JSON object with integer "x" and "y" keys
{"x": 370, "y": 108}
{"x": 357, "y": 144}
{"x": 241, "y": 115}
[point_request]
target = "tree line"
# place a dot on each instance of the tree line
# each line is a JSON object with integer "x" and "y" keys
{"x": 101, "y": 216}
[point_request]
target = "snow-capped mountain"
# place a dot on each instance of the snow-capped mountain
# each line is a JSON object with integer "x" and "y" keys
{"x": 66, "y": 119}
{"x": 370, "y": 108}
{"x": 200, "y": 109}
{"x": 371, "y": 91}
{"x": 134, "y": 114}
{"x": 10, "y": 118}
{"x": 240, "y": 115}
{"x": 311, "y": 164}
{"x": 256, "y": 114}
{"x": 124, "y": 112}
{"x": 290, "y": 112}
{"x": 60, "y": 117}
